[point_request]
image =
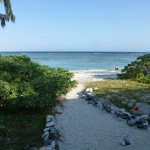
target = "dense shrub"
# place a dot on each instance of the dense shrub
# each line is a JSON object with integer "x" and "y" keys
{"x": 138, "y": 70}
{"x": 26, "y": 84}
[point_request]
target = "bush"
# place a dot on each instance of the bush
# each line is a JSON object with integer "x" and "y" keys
{"x": 138, "y": 70}
{"x": 26, "y": 84}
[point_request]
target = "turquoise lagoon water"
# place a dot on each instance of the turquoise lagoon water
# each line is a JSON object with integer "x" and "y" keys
{"x": 80, "y": 60}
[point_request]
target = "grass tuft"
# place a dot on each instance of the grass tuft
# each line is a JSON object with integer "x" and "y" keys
{"x": 121, "y": 92}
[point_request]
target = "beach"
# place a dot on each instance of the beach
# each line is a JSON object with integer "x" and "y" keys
{"x": 94, "y": 75}
{"x": 84, "y": 127}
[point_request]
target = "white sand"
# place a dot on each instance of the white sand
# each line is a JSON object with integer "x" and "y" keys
{"x": 85, "y": 127}
{"x": 93, "y": 75}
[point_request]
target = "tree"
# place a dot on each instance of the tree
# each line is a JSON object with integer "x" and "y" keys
{"x": 8, "y": 13}
{"x": 138, "y": 70}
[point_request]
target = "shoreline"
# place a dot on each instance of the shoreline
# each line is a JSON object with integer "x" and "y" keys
{"x": 94, "y": 75}
{"x": 93, "y": 71}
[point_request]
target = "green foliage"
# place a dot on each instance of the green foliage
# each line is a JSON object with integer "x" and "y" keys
{"x": 8, "y": 13}
{"x": 26, "y": 84}
{"x": 121, "y": 93}
{"x": 19, "y": 129}
{"x": 138, "y": 70}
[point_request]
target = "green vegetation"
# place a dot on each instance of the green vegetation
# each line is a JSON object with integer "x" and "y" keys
{"x": 138, "y": 70}
{"x": 28, "y": 85}
{"x": 28, "y": 91}
{"x": 121, "y": 92}
{"x": 8, "y": 13}
{"x": 17, "y": 130}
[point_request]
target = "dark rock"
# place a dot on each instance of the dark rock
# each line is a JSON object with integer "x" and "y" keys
{"x": 53, "y": 130}
{"x": 142, "y": 125}
{"x": 118, "y": 113}
{"x": 148, "y": 120}
{"x": 88, "y": 98}
{"x": 142, "y": 118}
{"x": 131, "y": 122}
{"x": 83, "y": 96}
{"x": 126, "y": 140}
{"x": 125, "y": 115}
{"x": 106, "y": 107}
{"x": 47, "y": 142}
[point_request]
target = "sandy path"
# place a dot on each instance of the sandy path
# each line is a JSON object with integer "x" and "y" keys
{"x": 85, "y": 127}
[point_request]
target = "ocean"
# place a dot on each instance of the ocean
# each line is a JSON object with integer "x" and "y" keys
{"x": 80, "y": 60}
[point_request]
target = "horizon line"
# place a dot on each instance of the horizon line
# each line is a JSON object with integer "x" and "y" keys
{"x": 74, "y": 51}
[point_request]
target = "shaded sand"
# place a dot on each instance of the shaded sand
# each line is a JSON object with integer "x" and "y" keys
{"x": 85, "y": 127}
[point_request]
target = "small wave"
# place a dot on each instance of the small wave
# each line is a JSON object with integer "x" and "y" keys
{"x": 97, "y": 53}
{"x": 51, "y": 53}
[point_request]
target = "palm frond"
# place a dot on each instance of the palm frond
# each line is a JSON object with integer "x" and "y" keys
{"x": 8, "y": 13}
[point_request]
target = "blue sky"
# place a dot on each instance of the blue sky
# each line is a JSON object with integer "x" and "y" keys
{"x": 78, "y": 25}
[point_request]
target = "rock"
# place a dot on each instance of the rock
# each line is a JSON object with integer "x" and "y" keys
{"x": 142, "y": 121}
{"x": 47, "y": 142}
{"x": 142, "y": 125}
{"x": 90, "y": 94}
{"x": 113, "y": 110}
{"x": 50, "y": 124}
{"x": 131, "y": 122}
{"x": 52, "y": 130}
{"x": 106, "y": 107}
{"x": 125, "y": 115}
{"x": 49, "y": 118}
{"x": 99, "y": 104}
{"x": 83, "y": 96}
{"x": 88, "y": 98}
{"x": 125, "y": 140}
{"x": 53, "y": 144}
{"x": 46, "y": 148}
{"x": 118, "y": 113}
{"x": 94, "y": 102}
{"x": 89, "y": 90}
{"x": 148, "y": 120}
{"x": 58, "y": 109}
{"x": 46, "y": 129}
{"x": 45, "y": 135}
{"x": 123, "y": 143}
{"x": 142, "y": 118}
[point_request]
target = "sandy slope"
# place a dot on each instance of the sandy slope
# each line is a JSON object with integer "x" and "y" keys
{"x": 85, "y": 127}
